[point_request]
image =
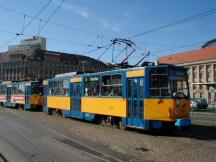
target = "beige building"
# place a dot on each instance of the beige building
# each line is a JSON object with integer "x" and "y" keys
{"x": 30, "y": 60}
{"x": 38, "y": 64}
{"x": 201, "y": 67}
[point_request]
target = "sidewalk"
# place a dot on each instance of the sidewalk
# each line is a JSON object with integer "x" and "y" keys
{"x": 211, "y": 109}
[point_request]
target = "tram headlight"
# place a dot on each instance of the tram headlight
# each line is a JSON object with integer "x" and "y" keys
{"x": 178, "y": 103}
{"x": 176, "y": 112}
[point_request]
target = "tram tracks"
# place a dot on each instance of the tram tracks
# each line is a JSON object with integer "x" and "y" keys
{"x": 2, "y": 158}
{"x": 73, "y": 143}
{"x": 29, "y": 156}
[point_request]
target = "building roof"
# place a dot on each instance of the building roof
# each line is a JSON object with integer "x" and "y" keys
{"x": 202, "y": 54}
{"x": 209, "y": 43}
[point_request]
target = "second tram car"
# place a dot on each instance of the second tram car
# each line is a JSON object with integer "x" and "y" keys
{"x": 5, "y": 93}
{"x": 27, "y": 95}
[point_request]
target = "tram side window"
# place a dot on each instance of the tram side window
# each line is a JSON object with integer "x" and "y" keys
{"x": 14, "y": 89}
{"x": 53, "y": 88}
{"x": 158, "y": 83}
{"x": 92, "y": 86}
{"x": 63, "y": 87}
{"x": 111, "y": 85}
{"x": 21, "y": 89}
{"x": 36, "y": 89}
{"x": 3, "y": 89}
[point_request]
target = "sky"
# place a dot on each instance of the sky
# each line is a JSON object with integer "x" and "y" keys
{"x": 85, "y": 25}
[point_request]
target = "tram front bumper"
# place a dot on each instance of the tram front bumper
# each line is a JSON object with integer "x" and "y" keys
{"x": 182, "y": 122}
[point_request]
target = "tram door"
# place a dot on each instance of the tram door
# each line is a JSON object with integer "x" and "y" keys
{"x": 135, "y": 94}
{"x": 9, "y": 92}
{"x": 76, "y": 97}
{"x": 45, "y": 94}
{"x": 27, "y": 97}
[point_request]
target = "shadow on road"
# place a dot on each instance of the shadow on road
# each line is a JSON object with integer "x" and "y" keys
{"x": 198, "y": 132}
{"x": 2, "y": 158}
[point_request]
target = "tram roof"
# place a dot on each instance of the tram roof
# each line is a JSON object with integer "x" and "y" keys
{"x": 109, "y": 72}
{"x": 23, "y": 82}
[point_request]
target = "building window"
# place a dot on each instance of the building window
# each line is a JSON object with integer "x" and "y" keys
{"x": 195, "y": 79}
{"x": 208, "y": 73}
{"x": 188, "y": 72}
{"x": 201, "y": 74}
{"x": 214, "y": 72}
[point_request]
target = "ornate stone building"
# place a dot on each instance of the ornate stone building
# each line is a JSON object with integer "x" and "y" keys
{"x": 30, "y": 64}
{"x": 201, "y": 66}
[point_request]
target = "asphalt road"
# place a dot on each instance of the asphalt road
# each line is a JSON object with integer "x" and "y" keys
{"x": 35, "y": 136}
{"x": 23, "y": 138}
{"x": 203, "y": 125}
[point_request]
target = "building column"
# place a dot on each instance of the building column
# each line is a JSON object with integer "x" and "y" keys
{"x": 190, "y": 80}
{"x": 205, "y": 90}
{"x": 213, "y": 74}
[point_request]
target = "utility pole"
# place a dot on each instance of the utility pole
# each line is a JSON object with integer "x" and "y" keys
{"x": 83, "y": 66}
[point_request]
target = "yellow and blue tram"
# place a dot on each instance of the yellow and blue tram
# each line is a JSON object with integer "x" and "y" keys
{"x": 5, "y": 93}
{"x": 144, "y": 97}
{"x": 27, "y": 95}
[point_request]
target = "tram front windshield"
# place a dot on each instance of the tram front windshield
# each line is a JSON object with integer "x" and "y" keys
{"x": 169, "y": 83}
{"x": 179, "y": 84}
{"x": 37, "y": 88}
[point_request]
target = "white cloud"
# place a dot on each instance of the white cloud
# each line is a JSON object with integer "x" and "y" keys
{"x": 81, "y": 11}
{"x": 107, "y": 25}
{"x": 126, "y": 14}
{"x": 114, "y": 28}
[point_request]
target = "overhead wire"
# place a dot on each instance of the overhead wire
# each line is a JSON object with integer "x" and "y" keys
{"x": 54, "y": 39}
{"x": 197, "y": 16}
{"x": 180, "y": 21}
{"x": 106, "y": 49}
{"x": 35, "y": 17}
{"x": 57, "y": 24}
{"x": 7, "y": 32}
{"x": 54, "y": 23}
{"x": 168, "y": 49}
{"x": 49, "y": 18}
{"x": 25, "y": 27}
{"x": 24, "y": 18}
{"x": 119, "y": 53}
{"x": 72, "y": 42}
{"x": 11, "y": 10}
{"x": 9, "y": 41}
{"x": 91, "y": 42}
{"x": 178, "y": 47}
{"x": 98, "y": 48}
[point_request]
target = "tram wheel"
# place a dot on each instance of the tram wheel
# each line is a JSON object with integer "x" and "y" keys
{"x": 100, "y": 120}
{"x": 121, "y": 126}
{"x": 49, "y": 112}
